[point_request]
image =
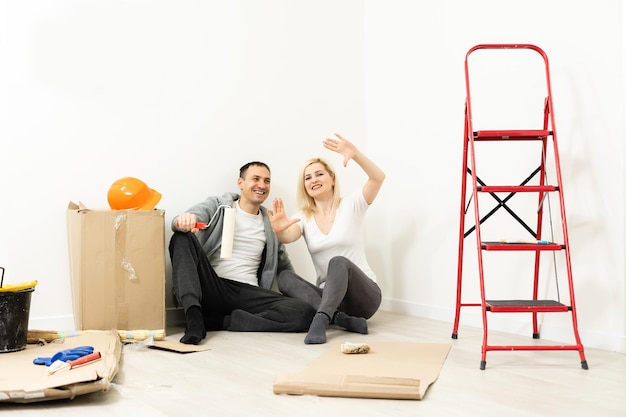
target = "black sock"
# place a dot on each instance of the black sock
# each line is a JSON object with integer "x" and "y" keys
{"x": 317, "y": 330}
{"x": 194, "y": 330}
{"x": 350, "y": 323}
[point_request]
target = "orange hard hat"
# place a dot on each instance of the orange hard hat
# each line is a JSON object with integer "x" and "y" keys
{"x": 130, "y": 193}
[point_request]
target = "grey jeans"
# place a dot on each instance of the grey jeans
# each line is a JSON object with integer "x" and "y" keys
{"x": 228, "y": 304}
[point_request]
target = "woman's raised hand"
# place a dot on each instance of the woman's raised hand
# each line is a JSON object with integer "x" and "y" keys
{"x": 342, "y": 146}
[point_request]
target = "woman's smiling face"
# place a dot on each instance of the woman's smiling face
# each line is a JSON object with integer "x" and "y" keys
{"x": 317, "y": 180}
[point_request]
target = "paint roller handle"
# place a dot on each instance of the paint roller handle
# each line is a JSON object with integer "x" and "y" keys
{"x": 198, "y": 225}
{"x": 84, "y": 359}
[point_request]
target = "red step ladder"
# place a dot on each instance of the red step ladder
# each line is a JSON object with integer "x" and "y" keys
{"x": 543, "y": 181}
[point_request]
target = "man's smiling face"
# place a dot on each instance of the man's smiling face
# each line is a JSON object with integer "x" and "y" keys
{"x": 255, "y": 187}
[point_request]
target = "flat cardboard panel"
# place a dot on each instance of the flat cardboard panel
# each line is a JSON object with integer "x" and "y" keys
{"x": 393, "y": 370}
{"x": 117, "y": 267}
{"x": 21, "y": 381}
{"x": 356, "y": 386}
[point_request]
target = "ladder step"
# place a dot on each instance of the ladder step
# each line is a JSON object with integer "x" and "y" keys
{"x": 529, "y": 246}
{"x": 516, "y": 188}
{"x": 511, "y": 134}
{"x": 524, "y": 306}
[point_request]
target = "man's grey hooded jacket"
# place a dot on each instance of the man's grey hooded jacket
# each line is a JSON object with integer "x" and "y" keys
{"x": 274, "y": 259}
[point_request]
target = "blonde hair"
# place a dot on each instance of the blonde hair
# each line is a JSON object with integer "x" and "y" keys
{"x": 306, "y": 203}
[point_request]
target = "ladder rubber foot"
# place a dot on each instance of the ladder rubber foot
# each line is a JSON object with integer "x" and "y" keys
{"x": 455, "y": 336}
{"x": 482, "y": 365}
{"x": 584, "y": 365}
{"x": 535, "y": 335}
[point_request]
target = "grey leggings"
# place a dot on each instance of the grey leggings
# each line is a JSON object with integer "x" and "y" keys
{"x": 347, "y": 289}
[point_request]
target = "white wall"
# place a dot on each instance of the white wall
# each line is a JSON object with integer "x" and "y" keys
{"x": 415, "y": 93}
{"x": 182, "y": 93}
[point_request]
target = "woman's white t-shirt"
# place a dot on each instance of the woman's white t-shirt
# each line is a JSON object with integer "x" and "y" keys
{"x": 344, "y": 239}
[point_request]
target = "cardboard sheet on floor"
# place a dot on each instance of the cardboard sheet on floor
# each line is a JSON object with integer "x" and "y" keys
{"x": 392, "y": 370}
{"x": 21, "y": 381}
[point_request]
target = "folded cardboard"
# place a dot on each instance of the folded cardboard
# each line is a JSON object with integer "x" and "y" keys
{"x": 21, "y": 381}
{"x": 390, "y": 370}
{"x": 117, "y": 268}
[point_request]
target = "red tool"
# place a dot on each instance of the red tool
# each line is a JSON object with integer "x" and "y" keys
{"x": 198, "y": 225}
{"x": 60, "y": 365}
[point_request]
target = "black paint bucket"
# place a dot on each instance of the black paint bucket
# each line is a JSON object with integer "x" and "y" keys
{"x": 14, "y": 313}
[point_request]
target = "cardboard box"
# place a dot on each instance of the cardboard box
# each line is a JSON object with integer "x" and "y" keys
{"x": 117, "y": 268}
{"x": 23, "y": 382}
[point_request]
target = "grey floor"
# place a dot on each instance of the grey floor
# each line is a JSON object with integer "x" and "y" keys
{"x": 234, "y": 377}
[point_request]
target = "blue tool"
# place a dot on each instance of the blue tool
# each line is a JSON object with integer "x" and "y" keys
{"x": 65, "y": 355}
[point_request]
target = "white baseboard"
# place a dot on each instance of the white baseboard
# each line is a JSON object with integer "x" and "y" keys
{"x": 515, "y": 324}
{"x": 58, "y": 323}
